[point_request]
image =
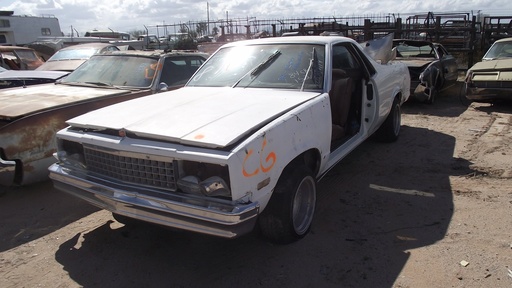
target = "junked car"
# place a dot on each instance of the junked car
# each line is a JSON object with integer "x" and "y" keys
{"x": 432, "y": 68}
{"x": 491, "y": 79}
{"x": 69, "y": 58}
{"x": 30, "y": 117}
{"x": 56, "y": 67}
{"x": 242, "y": 144}
{"x": 19, "y": 58}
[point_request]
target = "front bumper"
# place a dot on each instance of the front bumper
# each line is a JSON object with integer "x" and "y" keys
{"x": 420, "y": 93}
{"x": 488, "y": 94}
{"x": 185, "y": 212}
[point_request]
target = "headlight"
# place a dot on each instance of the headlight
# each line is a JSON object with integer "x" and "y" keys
{"x": 469, "y": 77}
{"x": 212, "y": 186}
{"x": 71, "y": 154}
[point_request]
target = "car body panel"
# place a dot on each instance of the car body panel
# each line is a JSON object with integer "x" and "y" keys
{"x": 239, "y": 120}
{"x": 215, "y": 125}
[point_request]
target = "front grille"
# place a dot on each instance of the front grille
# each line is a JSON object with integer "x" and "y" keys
{"x": 133, "y": 168}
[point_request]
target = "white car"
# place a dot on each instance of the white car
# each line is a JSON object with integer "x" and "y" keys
{"x": 242, "y": 144}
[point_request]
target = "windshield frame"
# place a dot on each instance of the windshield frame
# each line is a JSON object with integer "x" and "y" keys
{"x": 128, "y": 71}
{"x": 497, "y": 49}
{"x": 264, "y": 65}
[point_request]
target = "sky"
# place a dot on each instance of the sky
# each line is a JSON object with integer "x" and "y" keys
{"x": 136, "y": 15}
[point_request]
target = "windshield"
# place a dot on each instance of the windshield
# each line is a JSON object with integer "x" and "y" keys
{"x": 422, "y": 51}
{"x": 73, "y": 54}
{"x": 123, "y": 70}
{"x": 286, "y": 66}
{"x": 499, "y": 50}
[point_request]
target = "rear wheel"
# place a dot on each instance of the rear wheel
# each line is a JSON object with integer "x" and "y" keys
{"x": 289, "y": 213}
{"x": 390, "y": 129}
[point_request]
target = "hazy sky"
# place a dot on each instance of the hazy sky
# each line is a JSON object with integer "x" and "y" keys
{"x": 130, "y": 15}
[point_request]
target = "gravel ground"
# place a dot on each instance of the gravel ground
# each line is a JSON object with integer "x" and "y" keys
{"x": 431, "y": 210}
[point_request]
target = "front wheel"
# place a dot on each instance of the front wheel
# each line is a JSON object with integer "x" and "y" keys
{"x": 390, "y": 129}
{"x": 289, "y": 213}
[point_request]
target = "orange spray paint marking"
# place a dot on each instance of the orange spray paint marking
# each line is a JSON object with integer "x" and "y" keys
{"x": 270, "y": 160}
{"x": 271, "y": 157}
{"x": 244, "y": 172}
{"x": 199, "y": 136}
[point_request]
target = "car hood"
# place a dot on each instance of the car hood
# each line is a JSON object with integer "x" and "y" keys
{"x": 206, "y": 117}
{"x": 491, "y": 65}
{"x": 31, "y": 74}
{"x": 18, "y": 102}
{"x": 61, "y": 65}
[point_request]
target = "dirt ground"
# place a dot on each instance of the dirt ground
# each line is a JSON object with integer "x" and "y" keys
{"x": 431, "y": 210}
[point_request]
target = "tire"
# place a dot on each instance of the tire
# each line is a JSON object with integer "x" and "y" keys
{"x": 289, "y": 213}
{"x": 390, "y": 129}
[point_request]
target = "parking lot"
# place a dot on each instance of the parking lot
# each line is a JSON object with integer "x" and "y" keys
{"x": 431, "y": 210}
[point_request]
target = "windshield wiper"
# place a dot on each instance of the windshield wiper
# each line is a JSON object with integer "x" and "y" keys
{"x": 99, "y": 83}
{"x": 260, "y": 67}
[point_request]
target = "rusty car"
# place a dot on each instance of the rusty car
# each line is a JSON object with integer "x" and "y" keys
{"x": 29, "y": 117}
{"x": 432, "y": 68}
{"x": 56, "y": 67}
{"x": 490, "y": 80}
{"x": 69, "y": 58}
{"x": 19, "y": 58}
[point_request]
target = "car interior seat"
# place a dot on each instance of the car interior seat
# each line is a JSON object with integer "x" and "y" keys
{"x": 340, "y": 96}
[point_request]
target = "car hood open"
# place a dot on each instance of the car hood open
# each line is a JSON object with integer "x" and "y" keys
{"x": 18, "y": 102}
{"x": 206, "y": 117}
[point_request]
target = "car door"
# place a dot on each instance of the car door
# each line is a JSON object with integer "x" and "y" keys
{"x": 448, "y": 66}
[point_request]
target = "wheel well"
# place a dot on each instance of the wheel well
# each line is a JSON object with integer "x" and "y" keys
{"x": 398, "y": 96}
{"x": 309, "y": 158}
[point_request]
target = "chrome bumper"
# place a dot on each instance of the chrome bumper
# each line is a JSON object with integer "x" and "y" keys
{"x": 488, "y": 94}
{"x": 227, "y": 220}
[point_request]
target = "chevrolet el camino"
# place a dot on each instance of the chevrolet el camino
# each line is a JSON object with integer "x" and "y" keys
{"x": 242, "y": 144}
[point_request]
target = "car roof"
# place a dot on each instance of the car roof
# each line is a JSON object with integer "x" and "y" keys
{"x": 87, "y": 45}
{"x": 294, "y": 40}
{"x": 153, "y": 53}
{"x": 13, "y": 48}
{"x": 504, "y": 40}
